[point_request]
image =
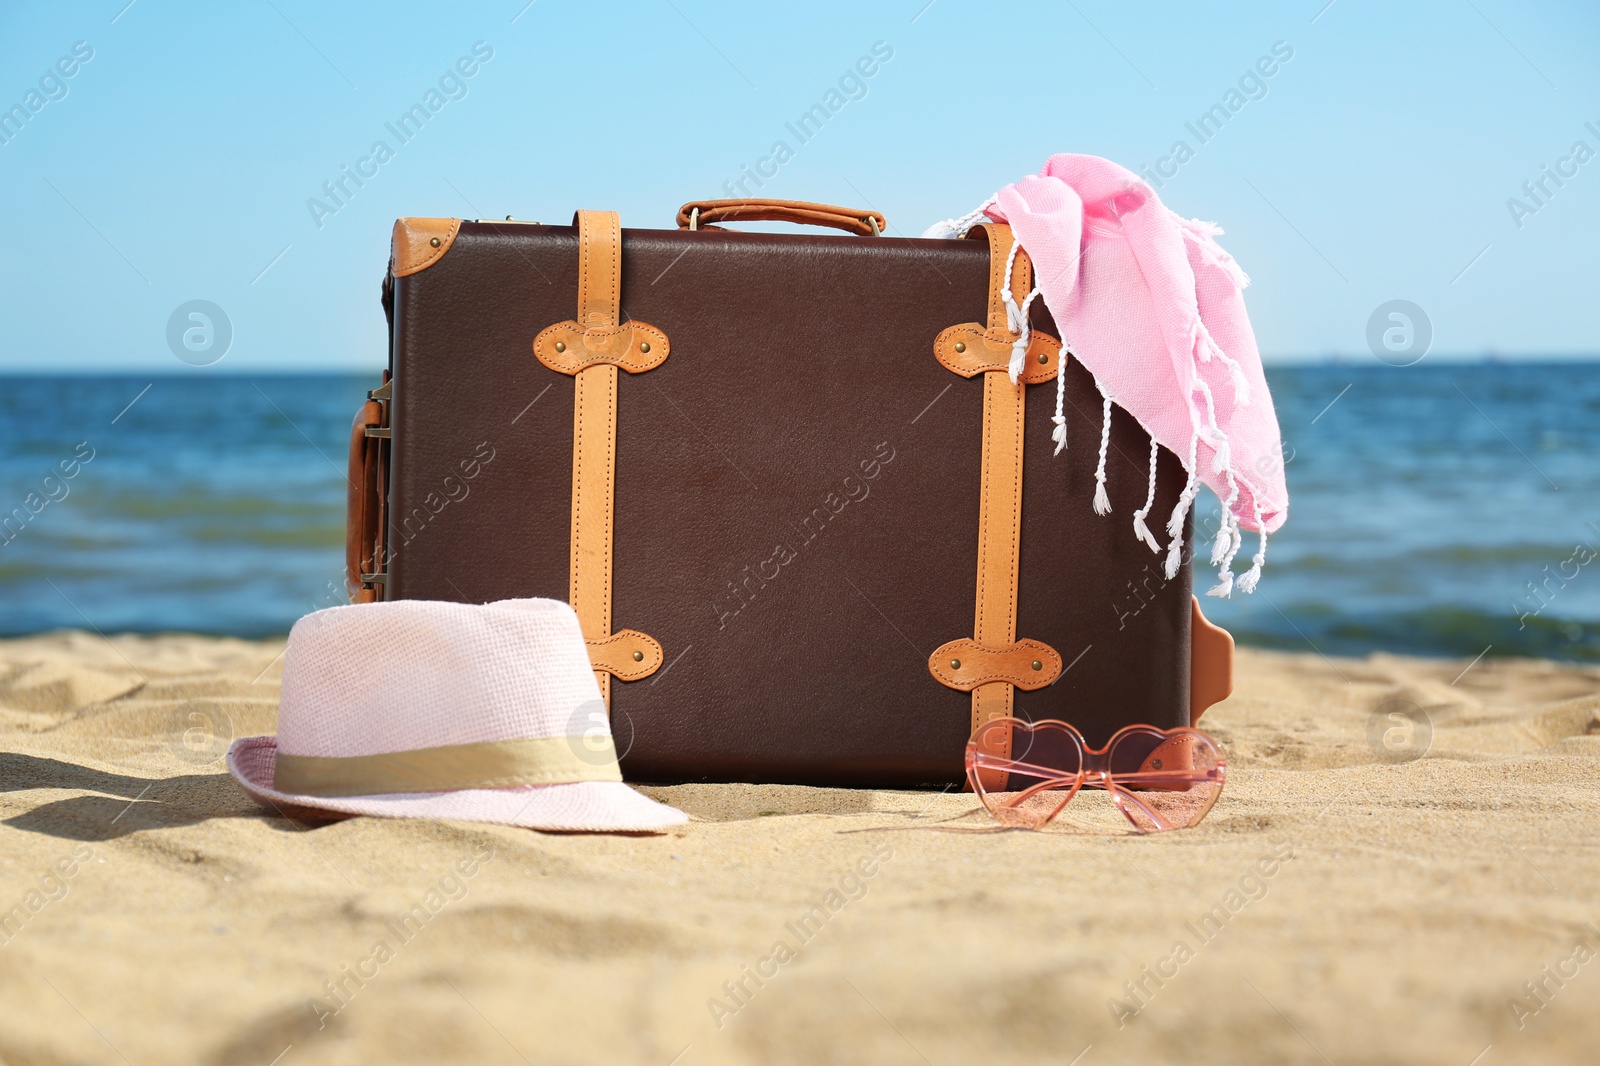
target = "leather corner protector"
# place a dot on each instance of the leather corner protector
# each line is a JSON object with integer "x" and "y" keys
{"x": 965, "y": 664}
{"x": 634, "y": 346}
{"x": 1210, "y": 664}
{"x": 988, "y": 351}
{"x": 420, "y": 242}
{"x": 626, "y": 655}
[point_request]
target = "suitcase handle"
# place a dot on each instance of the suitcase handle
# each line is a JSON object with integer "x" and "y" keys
{"x": 700, "y": 214}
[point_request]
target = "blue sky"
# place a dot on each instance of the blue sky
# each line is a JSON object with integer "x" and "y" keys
{"x": 1374, "y": 164}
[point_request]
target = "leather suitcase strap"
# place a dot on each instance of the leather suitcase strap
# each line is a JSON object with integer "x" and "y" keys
{"x": 362, "y": 556}
{"x": 366, "y": 503}
{"x": 591, "y": 348}
{"x": 994, "y": 662}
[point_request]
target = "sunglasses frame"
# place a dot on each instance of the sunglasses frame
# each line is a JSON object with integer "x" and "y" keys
{"x": 1096, "y": 772}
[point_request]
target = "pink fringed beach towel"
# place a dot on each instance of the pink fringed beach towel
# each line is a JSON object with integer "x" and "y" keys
{"x": 1153, "y": 307}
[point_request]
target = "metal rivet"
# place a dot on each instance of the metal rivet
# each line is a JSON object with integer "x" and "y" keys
{"x": 560, "y": 346}
{"x": 960, "y": 347}
{"x": 638, "y": 656}
{"x": 434, "y": 241}
{"x": 955, "y": 664}
{"x": 1044, "y": 357}
{"x": 645, "y": 347}
{"x": 1037, "y": 665}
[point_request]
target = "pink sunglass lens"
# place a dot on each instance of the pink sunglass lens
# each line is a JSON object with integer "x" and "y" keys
{"x": 1041, "y": 774}
{"x": 1166, "y": 782}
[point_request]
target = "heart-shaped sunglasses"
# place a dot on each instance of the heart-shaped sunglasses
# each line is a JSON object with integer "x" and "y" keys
{"x": 1026, "y": 772}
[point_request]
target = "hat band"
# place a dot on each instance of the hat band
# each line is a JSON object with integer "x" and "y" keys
{"x": 487, "y": 764}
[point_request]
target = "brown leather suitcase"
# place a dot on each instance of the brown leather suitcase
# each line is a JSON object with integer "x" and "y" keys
{"x": 811, "y": 529}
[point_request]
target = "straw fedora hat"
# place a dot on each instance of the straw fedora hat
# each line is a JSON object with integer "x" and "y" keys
{"x": 422, "y": 709}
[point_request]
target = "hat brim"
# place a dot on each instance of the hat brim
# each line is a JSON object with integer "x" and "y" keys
{"x": 579, "y": 806}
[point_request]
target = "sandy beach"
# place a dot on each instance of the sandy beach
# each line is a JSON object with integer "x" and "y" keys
{"x": 1351, "y": 899}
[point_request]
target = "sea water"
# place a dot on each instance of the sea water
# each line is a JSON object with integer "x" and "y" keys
{"x": 1437, "y": 509}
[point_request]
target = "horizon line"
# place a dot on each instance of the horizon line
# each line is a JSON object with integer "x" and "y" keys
{"x": 1341, "y": 359}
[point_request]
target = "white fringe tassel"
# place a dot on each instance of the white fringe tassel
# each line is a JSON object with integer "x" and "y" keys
{"x": 1102, "y": 502}
{"x": 1226, "y": 546}
{"x": 1059, "y": 419}
{"x": 1181, "y": 511}
{"x": 1017, "y": 316}
{"x": 1019, "y": 347}
{"x": 1251, "y": 577}
{"x": 1222, "y": 553}
{"x": 951, "y": 228}
{"x": 1205, "y": 348}
{"x": 1228, "y": 537}
{"x": 1140, "y": 529}
{"x": 1204, "y": 235}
